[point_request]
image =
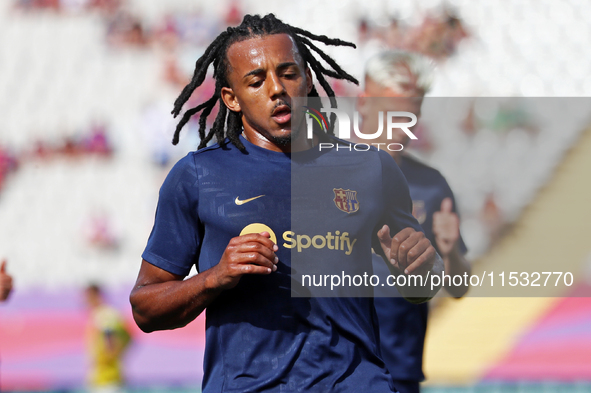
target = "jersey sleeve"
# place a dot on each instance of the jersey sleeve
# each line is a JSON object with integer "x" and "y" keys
{"x": 397, "y": 212}
{"x": 175, "y": 239}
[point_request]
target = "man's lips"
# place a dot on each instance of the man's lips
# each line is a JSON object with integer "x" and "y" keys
{"x": 281, "y": 114}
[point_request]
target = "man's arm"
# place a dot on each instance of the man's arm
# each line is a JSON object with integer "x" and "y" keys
{"x": 457, "y": 265}
{"x": 5, "y": 282}
{"x": 446, "y": 229}
{"x": 409, "y": 252}
{"x": 161, "y": 300}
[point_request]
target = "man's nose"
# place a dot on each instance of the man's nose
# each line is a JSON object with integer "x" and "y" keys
{"x": 276, "y": 87}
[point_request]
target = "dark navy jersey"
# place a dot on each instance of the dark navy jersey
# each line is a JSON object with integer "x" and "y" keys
{"x": 258, "y": 336}
{"x": 403, "y": 325}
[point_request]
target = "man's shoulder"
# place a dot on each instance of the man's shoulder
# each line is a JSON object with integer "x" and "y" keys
{"x": 420, "y": 174}
{"x": 186, "y": 171}
{"x": 415, "y": 167}
{"x": 213, "y": 150}
{"x": 209, "y": 153}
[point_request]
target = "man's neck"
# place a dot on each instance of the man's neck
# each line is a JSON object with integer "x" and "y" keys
{"x": 300, "y": 144}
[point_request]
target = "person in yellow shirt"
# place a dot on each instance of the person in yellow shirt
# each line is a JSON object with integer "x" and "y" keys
{"x": 107, "y": 340}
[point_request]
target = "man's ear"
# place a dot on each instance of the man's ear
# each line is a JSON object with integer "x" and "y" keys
{"x": 230, "y": 99}
{"x": 309, "y": 80}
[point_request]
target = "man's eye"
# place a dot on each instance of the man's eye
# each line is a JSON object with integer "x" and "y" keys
{"x": 289, "y": 76}
{"x": 256, "y": 83}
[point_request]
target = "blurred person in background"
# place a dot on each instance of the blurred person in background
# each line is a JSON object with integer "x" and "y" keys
{"x": 398, "y": 80}
{"x": 5, "y": 282}
{"x": 107, "y": 340}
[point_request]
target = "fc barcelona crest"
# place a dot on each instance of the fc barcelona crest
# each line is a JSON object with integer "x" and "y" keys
{"x": 346, "y": 200}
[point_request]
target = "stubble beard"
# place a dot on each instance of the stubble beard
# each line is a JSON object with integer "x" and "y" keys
{"x": 286, "y": 140}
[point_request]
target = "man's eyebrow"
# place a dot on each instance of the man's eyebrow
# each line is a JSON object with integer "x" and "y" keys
{"x": 260, "y": 70}
{"x": 253, "y": 72}
{"x": 287, "y": 64}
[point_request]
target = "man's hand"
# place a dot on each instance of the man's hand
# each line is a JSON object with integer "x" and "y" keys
{"x": 5, "y": 282}
{"x": 408, "y": 251}
{"x": 446, "y": 228}
{"x": 161, "y": 300}
{"x": 247, "y": 254}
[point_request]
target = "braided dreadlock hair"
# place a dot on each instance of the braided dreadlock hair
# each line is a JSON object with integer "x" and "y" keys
{"x": 228, "y": 124}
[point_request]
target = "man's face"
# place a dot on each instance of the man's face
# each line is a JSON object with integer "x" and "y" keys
{"x": 378, "y": 98}
{"x": 264, "y": 74}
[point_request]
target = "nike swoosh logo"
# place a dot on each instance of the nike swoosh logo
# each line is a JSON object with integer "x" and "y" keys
{"x": 239, "y": 202}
